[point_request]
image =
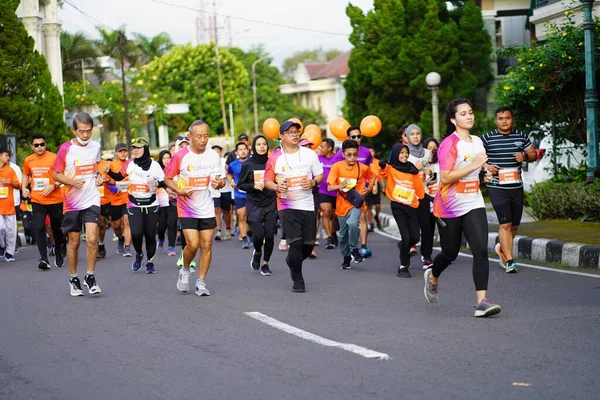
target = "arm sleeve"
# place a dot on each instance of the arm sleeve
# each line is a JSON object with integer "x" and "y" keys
{"x": 116, "y": 176}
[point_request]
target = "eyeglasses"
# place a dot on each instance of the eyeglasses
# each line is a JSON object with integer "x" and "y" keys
{"x": 359, "y": 136}
{"x": 36, "y": 145}
{"x": 292, "y": 133}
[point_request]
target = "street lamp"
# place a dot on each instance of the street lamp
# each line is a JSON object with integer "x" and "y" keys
{"x": 433, "y": 80}
{"x": 591, "y": 101}
{"x": 254, "y": 90}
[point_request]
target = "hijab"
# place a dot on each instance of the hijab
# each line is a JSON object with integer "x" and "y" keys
{"x": 395, "y": 163}
{"x": 259, "y": 158}
{"x": 415, "y": 150}
{"x": 160, "y": 158}
{"x": 145, "y": 161}
{"x": 434, "y": 157}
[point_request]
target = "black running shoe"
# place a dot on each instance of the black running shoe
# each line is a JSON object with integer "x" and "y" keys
{"x": 75, "y": 286}
{"x": 255, "y": 261}
{"x": 299, "y": 286}
{"x": 43, "y": 265}
{"x": 403, "y": 272}
{"x": 330, "y": 245}
{"x": 59, "y": 259}
{"x": 265, "y": 270}
{"x": 356, "y": 257}
{"x": 101, "y": 251}
{"x": 90, "y": 282}
{"x": 121, "y": 246}
{"x": 346, "y": 262}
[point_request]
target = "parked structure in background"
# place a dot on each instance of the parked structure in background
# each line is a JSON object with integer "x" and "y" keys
{"x": 552, "y": 11}
{"x": 40, "y": 18}
{"x": 320, "y": 86}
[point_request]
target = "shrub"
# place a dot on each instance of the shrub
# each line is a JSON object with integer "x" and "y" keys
{"x": 574, "y": 200}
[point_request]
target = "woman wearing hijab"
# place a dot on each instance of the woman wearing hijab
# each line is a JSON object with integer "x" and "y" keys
{"x": 261, "y": 207}
{"x": 404, "y": 188}
{"x": 167, "y": 212}
{"x": 145, "y": 176}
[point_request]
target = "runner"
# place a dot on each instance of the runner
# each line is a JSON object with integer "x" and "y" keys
{"x": 233, "y": 176}
{"x": 327, "y": 199}
{"x": 76, "y": 167}
{"x": 507, "y": 149}
{"x": 232, "y": 156}
{"x": 223, "y": 203}
{"x": 167, "y": 213}
{"x": 197, "y": 168}
{"x": 348, "y": 178}
{"x": 118, "y": 206}
{"x": 364, "y": 157}
{"x": 405, "y": 190}
{"x": 296, "y": 170}
{"x": 432, "y": 186}
{"x": 373, "y": 198}
{"x": 145, "y": 176}
{"x": 105, "y": 199}
{"x": 260, "y": 204}
{"x": 8, "y": 217}
{"x": 459, "y": 205}
{"x": 46, "y": 199}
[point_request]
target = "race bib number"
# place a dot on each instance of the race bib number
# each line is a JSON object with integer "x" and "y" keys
{"x": 259, "y": 176}
{"x": 139, "y": 188}
{"x": 101, "y": 190}
{"x": 199, "y": 182}
{"x": 40, "y": 184}
{"x": 3, "y": 192}
{"x": 508, "y": 176}
{"x": 122, "y": 186}
{"x": 85, "y": 170}
{"x": 351, "y": 184}
{"x": 467, "y": 187}
{"x": 294, "y": 180}
{"x": 403, "y": 194}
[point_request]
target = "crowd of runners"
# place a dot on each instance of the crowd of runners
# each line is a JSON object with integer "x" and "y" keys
{"x": 194, "y": 194}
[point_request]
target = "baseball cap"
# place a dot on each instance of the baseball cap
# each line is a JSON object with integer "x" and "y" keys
{"x": 216, "y": 146}
{"x": 120, "y": 146}
{"x": 171, "y": 144}
{"x": 139, "y": 142}
{"x": 305, "y": 142}
{"x": 287, "y": 125}
{"x": 181, "y": 139}
{"x": 243, "y": 136}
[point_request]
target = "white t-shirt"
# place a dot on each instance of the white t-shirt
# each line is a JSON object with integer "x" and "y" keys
{"x": 227, "y": 187}
{"x": 142, "y": 184}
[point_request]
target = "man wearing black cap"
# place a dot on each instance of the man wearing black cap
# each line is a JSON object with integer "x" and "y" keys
{"x": 243, "y": 138}
{"x": 292, "y": 173}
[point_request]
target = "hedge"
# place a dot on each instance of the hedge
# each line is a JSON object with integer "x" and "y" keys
{"x": 574, "y": 200}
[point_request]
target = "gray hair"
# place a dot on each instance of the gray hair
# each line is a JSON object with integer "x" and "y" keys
{"x": 197, "y": 122}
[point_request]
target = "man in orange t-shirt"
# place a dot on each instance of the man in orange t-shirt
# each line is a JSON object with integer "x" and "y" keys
{"x": 118, "y": 208}
{"x": 8, "y": 216}
{"x": 345, "y": 176}
{"x": 46, "y": 199}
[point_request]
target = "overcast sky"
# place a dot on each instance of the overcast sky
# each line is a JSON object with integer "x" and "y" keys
{"x": 150, "y": 18}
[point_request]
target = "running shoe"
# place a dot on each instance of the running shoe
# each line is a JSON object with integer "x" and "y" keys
{"x": 75, "y": 286}
{"x": 201, "y": 289}
{"x": 183, "y": 282}
{"x": 114, "y": 238}
{"x": 356, "y": 256}
{"x": 180, "y": 260}
{"x": 44, "y": 265}
{"x": 501, "y": 257}
{"x": 2, "y": 251}
{"x": 137, "y": 263}
{"x": 430, "y": 290}
{"x": 313, "y": 254}
{"x": 227, "y": 235}
{"x": 171, "y": 251}
{"x": 180, "y": 263}
{"x": 427, "y": 263}
{"x": 245, "y": 243}
{"x": 161, "y": 246}
{"x": 63, "y": 249}
{"x": 101, "y": 251}
{"x": 218, "y": 236}
{"x": 235, "y": 232}
{"x": 265, "y": 270}
{"x": 90, "y": 282}
{"x": 346, "y": 263}
{"x": 255, "y": 261}
{"x": 511, "y": 267}
{"x": 283, "y": 245}
{"x": 485, "y": 308}
{"x": 403, "y": 272}
{"x": 365, "y": 252}
{"x": 121, "y": 246}
{"x": 413, "y": 250}
{"x": 371, "y": 228}
{"x": 299, "y": 286}
{"x": 127, "y": 251}
{"x": 250, "y": 240}
{"x": 150, "y": 268}
{"x": 9, "y": 257}
{"x": 59, "y": 260}
{"x": 52, "y": 250}
{"x": 330, "y": 244}
{"x": 376, "y": 218}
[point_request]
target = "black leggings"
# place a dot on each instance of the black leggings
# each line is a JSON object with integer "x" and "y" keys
{"x": 408, "y": 225}
{"x": 167, "y": 222}
{"x": 427, "y": 225}
{"x": 143, "y": 222}
{"x": 474, "y": 225}
{"x": 297, "y": 253}
{"x": 264, "y": 231}
{"x": 39, "y": 212}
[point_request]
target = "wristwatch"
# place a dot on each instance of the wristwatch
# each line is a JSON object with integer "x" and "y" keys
{"x": 315, "y": 181}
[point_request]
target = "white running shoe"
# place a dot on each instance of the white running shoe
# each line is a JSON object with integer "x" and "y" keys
{"x": 75, "y": 286}
{"x": 201, "y": 289}
{"x": 183, "y": 283}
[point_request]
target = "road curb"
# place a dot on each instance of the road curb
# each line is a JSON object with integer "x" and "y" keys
{"x": 536, "y": 249}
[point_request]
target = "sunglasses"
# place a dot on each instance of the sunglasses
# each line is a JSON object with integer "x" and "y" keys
{"x": 139, "y": 140}
{"x": 181, "y": 138}
{"x": 359, "y": 136}
{"x": 36, "y": 145}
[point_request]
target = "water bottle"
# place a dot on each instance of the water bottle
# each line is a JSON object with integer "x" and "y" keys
{"x": 283, "y": 195}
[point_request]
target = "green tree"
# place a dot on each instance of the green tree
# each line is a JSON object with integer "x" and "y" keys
{"x": 75, "y": 48}
{"x": 151, "y": 47}
{"x": 317, "y": 55}
{"x": 29, "y": 101}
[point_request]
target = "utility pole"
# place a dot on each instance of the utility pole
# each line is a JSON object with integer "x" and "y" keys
{"x": 122, "y": 40}
{"x": 223, "y": 111}
{"x": 83, "y": 77}
{"x": 591, "y": 100}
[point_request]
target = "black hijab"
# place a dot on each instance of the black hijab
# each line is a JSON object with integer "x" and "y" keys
{"x": 145, "y": 161}
{"x": 160, "y": 158}
{"x": 259, "y": 158}
{"x": 395, "y": 163}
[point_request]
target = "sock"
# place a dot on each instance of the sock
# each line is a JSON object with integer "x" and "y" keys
{"x": 364, "y": 246}
{"x": 199, "y": 281}
{"x": 185, "y": 270}
{"x": 73, "y": 276}
{"x": 89, "y": 272}
{"x": 508, "y": 261}
{"x": 100, "y": 243}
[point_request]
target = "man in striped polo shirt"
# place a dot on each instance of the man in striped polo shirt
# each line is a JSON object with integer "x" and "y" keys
{"x": 507, "y": 148}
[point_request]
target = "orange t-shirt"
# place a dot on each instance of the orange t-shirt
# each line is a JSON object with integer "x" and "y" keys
{"x": 7, "y": 201}
{"x": 120, "y": 198}
{"x": 339, "y": 171}
{"x": 401, "y": 187}
{"x": 39, "y": 169}
{"x": 105, "y": 193}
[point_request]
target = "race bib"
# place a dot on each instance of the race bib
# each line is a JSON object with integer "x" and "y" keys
{"x": 467, "y": 187}
{"x": 40, "y": 184}
{"x": 3, "y": 192}
{"x": 85, "y": 170}
{"x": 139, "y": 188}
{"x": 507, "y": 176}
{"x": 375, "y": 189}
{"x": 101, "y": 190}
{"x": 199, "y": 182}
{"x": 29, "y": 207}
{"x": 294, "y": 179}
{"x": 351, "y": 184}
{"x": 432, "y": 190}
{"x": 122, "y": 186}
{"x": 403, "y": 194}
{"x": 259, "y": 176}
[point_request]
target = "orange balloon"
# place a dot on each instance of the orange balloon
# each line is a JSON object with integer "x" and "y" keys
{"x": 271, "y": 128}
{"x": 312, "y": 133}
{"x": 370, "y": 126}
{"x": 338, "y": 128}
{"x": 296, "y": 120}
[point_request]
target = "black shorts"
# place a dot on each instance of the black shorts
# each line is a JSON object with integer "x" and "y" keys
{"x": 225, "y": 201}
{"x": 72, "y": 220}
{"x": 105, "y": 210}
{"x": 198, "y": 224}
{"x": 324, "y": 198}
{"x": 508, "y": 204}
{"x": 260, "y": 214}
{"x": 299, "y": 225}
{"x": 116, "y": 212}
{"x": 373, "y": 199}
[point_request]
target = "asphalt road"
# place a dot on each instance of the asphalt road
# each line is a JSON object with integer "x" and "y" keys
{"x": 142, "y": 339}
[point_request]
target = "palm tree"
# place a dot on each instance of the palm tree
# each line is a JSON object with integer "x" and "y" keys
{"x": 74, "y": 48}
{"x": 150, "y": 48}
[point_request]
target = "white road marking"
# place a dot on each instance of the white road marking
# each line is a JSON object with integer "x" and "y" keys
{"x": 361, "y": 351}
{"x": 520, "y": 264}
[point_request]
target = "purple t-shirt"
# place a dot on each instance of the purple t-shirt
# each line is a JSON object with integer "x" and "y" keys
{"x": 364, "y": 156}
{"x": 327, "y": 163}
